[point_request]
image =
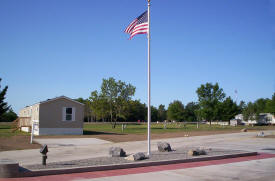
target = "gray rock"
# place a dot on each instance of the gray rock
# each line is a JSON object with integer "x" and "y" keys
{"x": 164, "y": 146}
{"x": 191, "y": 152}
{"x": 117, "y": 152}
{"x": 196, "y": 152}
{"x": 139, "y": 156}
{"x": 130, "y": 158}
{"x": 201, "y": 152}
{"x": 136, "y": 157}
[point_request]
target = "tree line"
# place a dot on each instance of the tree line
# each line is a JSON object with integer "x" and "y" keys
{"x": 252, "y": 110}
{"x": 114, "y": 102}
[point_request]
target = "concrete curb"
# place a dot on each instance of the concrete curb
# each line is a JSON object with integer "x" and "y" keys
{"x": 8, "y": 168}
{"x": 128, "y": 165}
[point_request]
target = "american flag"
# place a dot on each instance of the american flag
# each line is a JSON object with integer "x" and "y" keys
{"x": 138, "y": 26}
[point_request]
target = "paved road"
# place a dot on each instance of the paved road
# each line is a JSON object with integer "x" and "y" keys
{"x": 88, "y": 149}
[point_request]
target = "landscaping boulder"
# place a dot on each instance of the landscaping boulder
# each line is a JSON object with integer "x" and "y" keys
{"x": 196, "y": 152}
{"x": 130, "y": 158}
{"x": 164, "y": 146}
{"x": 117, "y": 152}
{"x": 244, "y": 130}
{"x": 136, "y": 157}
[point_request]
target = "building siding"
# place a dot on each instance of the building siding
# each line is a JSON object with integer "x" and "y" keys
{"x": 30, "y": 111}
{"x": 50, "y": 114}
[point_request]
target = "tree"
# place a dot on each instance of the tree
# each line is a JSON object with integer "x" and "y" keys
{"x": 260, "y": 105}
{"x": 9, "y": 116}
{"x": 125, "y": 92}
{"x": 270, "y": 105}
{"x": 161, "y": 113}
{"x": 154, "y": 114}
{"x": 250, "y": 112}
{"x": 136, "y": 111}
{"x": 241, "y": 106}
{"x": 175, "y": 111}
{"x": 99, "y": 106}
{"x": 109, "y": 90}
{"x": 3, "y": 105}
{"x": 210, "y": 96}
{"x": 117, "y": 94}
{"x": 229, "y": 109}
{"x": 87, "y": 108}
{"x": 190, "y": 111}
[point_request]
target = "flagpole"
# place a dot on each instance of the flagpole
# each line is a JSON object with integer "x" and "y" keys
{"x": 149, "y": 86}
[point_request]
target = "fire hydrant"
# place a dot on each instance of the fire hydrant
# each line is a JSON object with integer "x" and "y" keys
{"x": 44, "y": 151}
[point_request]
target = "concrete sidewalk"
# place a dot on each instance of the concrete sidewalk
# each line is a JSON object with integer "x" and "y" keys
{"x": 61, "y": 142}
{"x": 246, "y": 141}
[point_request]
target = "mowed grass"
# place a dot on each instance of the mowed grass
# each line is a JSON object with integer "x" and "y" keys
{"x": 6, "y": 131}
{"x": 134, "y": 128}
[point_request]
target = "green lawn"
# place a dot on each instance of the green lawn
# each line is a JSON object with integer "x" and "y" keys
{"x": 6, "y": 130}
{"x": 134, "y": 128}
{"x": 159, "y": 128}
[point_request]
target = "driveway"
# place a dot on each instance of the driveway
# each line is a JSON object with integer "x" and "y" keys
{"x": 60, "y": 142}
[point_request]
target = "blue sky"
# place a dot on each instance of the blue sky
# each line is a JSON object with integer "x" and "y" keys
{"x": 66, "y": 47}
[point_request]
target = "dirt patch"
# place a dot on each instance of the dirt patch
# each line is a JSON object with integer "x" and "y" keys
{"x": 17, "y": 143}
{"x": 141, "y": 137}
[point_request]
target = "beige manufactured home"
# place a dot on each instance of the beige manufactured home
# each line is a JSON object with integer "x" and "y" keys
{"x": 57, "y": 116}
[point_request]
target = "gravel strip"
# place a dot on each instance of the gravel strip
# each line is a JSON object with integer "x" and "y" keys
{"x": 180, "y": 153}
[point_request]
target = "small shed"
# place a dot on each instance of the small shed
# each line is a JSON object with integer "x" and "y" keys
{"x": 57, "y": 116}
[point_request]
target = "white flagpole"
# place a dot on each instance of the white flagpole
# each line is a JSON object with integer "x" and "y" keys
{"x": 149, "y": 85}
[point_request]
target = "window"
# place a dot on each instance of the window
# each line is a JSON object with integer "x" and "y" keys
{"x": 68, "y": 114}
